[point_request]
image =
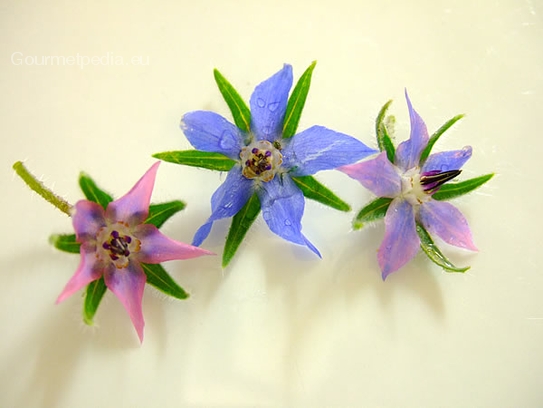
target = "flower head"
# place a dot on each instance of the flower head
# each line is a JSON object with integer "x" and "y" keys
{"x": 411, "y": 182}
{"x": 116, "y": 242}
{"x": 265, "y": 161}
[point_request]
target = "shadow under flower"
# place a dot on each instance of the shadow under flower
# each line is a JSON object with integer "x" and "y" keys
{"x": 313, "y": 292}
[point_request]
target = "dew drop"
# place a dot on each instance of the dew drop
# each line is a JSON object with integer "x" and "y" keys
{"x": 260, "y": 102}
{"x": 266, "y": 130}
{"x": 273, "y": 106}
{"x": 266, "y": 215}
{"x": 288, "y": 223}
{"x": 227, "y": 140}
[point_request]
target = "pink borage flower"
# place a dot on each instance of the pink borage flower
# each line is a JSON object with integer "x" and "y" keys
{"x": 115, "y": 243}
{"x": 411, "y": 182}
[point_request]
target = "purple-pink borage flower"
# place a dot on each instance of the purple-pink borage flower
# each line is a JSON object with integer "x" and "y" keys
{"x": 115, "y": 242}
{"x": 411, "y": 185}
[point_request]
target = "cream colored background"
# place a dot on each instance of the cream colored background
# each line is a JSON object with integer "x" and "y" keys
{"x": 278, "y": 327}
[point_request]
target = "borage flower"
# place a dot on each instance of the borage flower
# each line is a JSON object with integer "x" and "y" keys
{"x": 409, "y": 180}
{"x": 118, "y": 243}
{"x": 265, "y": 158}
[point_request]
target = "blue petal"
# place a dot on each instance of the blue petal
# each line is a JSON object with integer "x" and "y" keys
{"x": 282, "y": 208}
{"x": 269, "y": 103}
{"x": 202, "y": 233}
{"x": 229, "y": 198}
{"x": 445, "y": 161}
{"x": 319, "y": 148}
{"x": 408, "y": 152}
{"x": 401, "y": 241}
{"x": 210, "y": 132}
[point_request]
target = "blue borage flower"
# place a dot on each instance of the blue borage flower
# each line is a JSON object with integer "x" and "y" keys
{"x": 265, "y": 160}
{"x": 410, "y": 184}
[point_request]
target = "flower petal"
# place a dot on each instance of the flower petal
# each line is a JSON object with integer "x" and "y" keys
{"x": 157, "y": 248}
{"x": 447, "y": 222}
{"x": 133, "y": 207}
{"x": 401, "y": 242}
{"x": 128, "y": 285}
{"x": 211, "y": 132}
{"x": 282, "y": 209}
{"x": 87, "y": 271}
{"x": 229, "y": 198}
{"x": 377, "y": 175}
{"x": 408, "y": 152}
{"x": 446, "y": 161}
{"x": 269, "y": 103}
{"x": 87, "y": 219}
{"x": 319, "y": 148}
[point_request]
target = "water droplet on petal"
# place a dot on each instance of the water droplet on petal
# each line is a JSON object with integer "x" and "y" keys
{"x": 273, "y": 106}
{"x": 288, "y": 223}
{"x": 227, "y": 140}
{"x": 260, "y": 102}
{"x": 266, "y": 215}
{"x": 266, "y": 130}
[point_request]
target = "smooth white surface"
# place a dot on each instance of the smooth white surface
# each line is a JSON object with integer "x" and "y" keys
{"x": 278, "y": 327}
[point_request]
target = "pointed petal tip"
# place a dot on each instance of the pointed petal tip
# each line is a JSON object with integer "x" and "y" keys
{"x": 61, "y": 298}
{"x": 133, "y": 207}
{"x": 139, "y": 331}
{"x": 386, "y": 270}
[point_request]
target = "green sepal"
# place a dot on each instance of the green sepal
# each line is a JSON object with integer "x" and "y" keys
{"x": 197, "y": 158}
{"x": 93, "y": 192}
{"x": 65, "y": 242}
{"x": 160, "y": 213}
{"x": 314, "y": 190}
{"x": 452, "y": 190}
{"x": 384, "y": 141}
{"x": 93, "y": 296}
{"x": 373, "y": 211}
{"x": 434, "y": 138}
{"x": 433, "y": 252}
{"x": 240, "y": 111}
{"x": 241, "y": 223}
{"x": 296, "y": 102}
{"x": 160, "y": 279}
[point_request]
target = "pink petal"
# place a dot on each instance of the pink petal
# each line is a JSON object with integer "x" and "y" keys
{"x": 133, "y": 207}
{"x": 377, "y": 175}
{"x": 401, "y": 242}
{"x": 87, "y": 219}
{"x": 128, "y": 284}
{"x": 156, "y": 247}
{"x": 447, "y": 222}
{"x": 87, "y": 271}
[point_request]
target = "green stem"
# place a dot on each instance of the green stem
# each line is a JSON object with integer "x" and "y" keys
{"x": 39, "y": 188}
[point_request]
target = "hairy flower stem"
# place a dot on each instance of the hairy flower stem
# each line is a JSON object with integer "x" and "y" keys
{"x": 39, "y": 188}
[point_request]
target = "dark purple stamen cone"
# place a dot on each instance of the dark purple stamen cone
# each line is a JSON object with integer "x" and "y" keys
{"x": 431, "y": 181}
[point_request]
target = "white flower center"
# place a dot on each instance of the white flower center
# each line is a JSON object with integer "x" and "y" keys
{"x": 412, "y": 189}
{"x": 116, "y": 244}
{"x": 260, "y": 160}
